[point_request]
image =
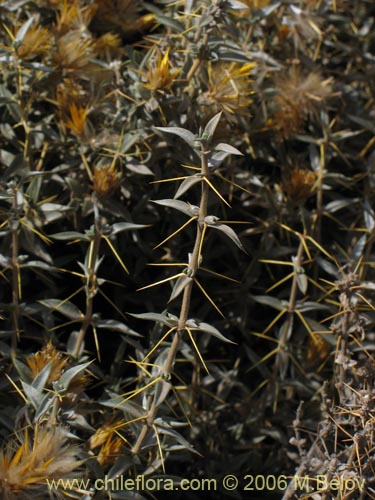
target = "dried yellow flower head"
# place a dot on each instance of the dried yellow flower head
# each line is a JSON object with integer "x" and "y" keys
{"x": 159, "y": 75}
{"x": 35, "y": 42}
{"x": 59, "y": 362}
{"x": 73, "y": 16}
{"x": 73, "y": 52}
{"x": 228, "y": 88}
{"x": 76, "y": 120}
{"x": 300, "y": 185}
{"x": 298, "y": 96}
{"x": 109, "y": 440}
{"x": 41, "y": 454}
{"x": 256, "y": 4}
{"x": 107, "y": 45}
{"x": 67, "y": 93}
{"x": 106, "y": 180}
{"x": 48, "y": 355}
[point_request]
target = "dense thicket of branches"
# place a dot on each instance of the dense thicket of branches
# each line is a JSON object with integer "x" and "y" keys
{"x": 186, "y": 245}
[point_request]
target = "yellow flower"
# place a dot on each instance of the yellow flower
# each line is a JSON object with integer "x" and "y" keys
{"x": 49, "y": 354}
{"x": 74, "y": 17}
{"x": 256, "y": 4}
{"x": 106, "y": 180}
{"x": 159, "y": 76}
{"x": 35, "y": 42}
{"x": 107, "y": 45}
{"x": 43, "y": 453}
{"x": 77, "y": 121}
{"x": 229, "y": 87}
{"x": 109, "y": 440}
{"x": 59, "y": 362}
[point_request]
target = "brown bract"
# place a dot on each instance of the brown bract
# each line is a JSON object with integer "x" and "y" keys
{"x": 300, "y": 185}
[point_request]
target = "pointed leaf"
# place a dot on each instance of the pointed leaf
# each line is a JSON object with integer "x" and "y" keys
{"x": 69, "y": 374}
{"x": 183, "y": 133}
{"x": 227, "y": 148}
{"x": 66, "y": 308}
{"x": 129, "y": 406}
{"x": 169, "y": 320}
{"x": 186, "y": 185}
{"x": 210, "y": 128}
{"x": 34, "y": 396}
{"x": 179, "y": 286}
{"x": 228, "y": 231}
{"x": 23, "y": 30}
{"x": 70, "y": 235}
{"x": 161, "y": 392}
{"x": 126, "y": 226}
{"x": 177, "y": 436}
{"x": 270, "y": 301}
{"x": 205, "y": 327}
{"x": 139, "y": 169}
{"x": 116, "y": 326}
{"x": 182, "y": 206}
{"x": 40, "y": 380}
{"x": 302, "y": 282}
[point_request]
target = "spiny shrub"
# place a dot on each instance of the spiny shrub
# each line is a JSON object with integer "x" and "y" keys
{"x": 186, "y": 243}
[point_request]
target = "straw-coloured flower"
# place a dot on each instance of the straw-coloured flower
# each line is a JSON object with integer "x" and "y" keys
{"x": 47, "y": 355}
{"x": 298, "y": 96}
{"x": 39, "y": 454}
{"x": 106, "y": 180}
{"x": 35, "y": 42}
{"x": 159, "y": 75}
{"x": 77, "y": 120}
{"x": 229, "y": 88}
{"x": 73, "y": 16}
{"x": 109, "y": 441}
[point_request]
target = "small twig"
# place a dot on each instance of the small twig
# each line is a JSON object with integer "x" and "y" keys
{"x": 194, "y": 264}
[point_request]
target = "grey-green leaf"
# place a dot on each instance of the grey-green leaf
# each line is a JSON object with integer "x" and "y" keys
{"x": 183, "y": 133}
{"x": 273, "y": 302}
{"x": 116, "y": 326}
{"x": 227, "y": 148}
{"x": 69, "y": 235}
{"x": 228, "y": 231}
{"x": 210, "y": 128}
{"x": 179, "y": 286}
{"x": 182, "y": 206}
{"x": 126, "y": 226}
{"x": 66, "y": 308}
{"x": 169, "y": 320}
{"x": 186, "y": 185}
{"x": 205, "y": 327}
{"x": 69, "y": 374}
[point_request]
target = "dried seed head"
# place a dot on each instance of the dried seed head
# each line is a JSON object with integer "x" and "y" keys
{"x": 74, "y": 52}
{"x": 40, "y": 454}
{"x": 72, "y": 16}
{"x": 298, "y": 96}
